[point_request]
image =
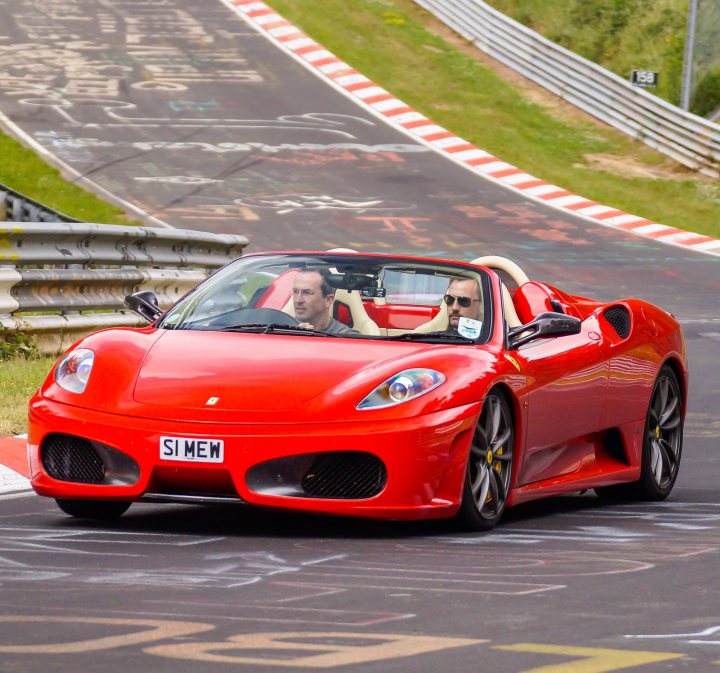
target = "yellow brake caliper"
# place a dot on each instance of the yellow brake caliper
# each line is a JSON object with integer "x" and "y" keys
{"x": 498, "y": 464}
{"x": 495, "y": 465}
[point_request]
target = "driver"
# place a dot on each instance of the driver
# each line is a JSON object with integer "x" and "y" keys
{"x": 462, "y": 300}
{"x": 312, "y": 298}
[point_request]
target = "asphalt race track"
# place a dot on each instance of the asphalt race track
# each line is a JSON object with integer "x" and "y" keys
{"x": 185, "y": 111}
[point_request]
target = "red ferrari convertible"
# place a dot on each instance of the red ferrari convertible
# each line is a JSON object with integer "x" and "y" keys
{"x": 366, "y": 385}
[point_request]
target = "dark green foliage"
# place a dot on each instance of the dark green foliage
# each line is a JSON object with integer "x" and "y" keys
{"x": 15, "y": 343}
{"x": 706, "y": 97}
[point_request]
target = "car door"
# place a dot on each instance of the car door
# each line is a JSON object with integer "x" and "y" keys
{"x": 567, "y": 383}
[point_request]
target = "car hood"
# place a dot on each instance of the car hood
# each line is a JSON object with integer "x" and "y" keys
{"x": 252, "y": 372}
{"x": 256, "y": 377}
{"x": 247, "y": 379}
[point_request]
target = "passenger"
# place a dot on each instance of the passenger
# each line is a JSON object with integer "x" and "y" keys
{"x": 462, "y": 300}
{"x": 312, "y": 298}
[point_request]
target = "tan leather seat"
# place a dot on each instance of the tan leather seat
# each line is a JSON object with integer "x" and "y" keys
{"x": 509, "y": 312}
{"x": 439, "y": 323}
{"x": 362, "y": 322}
{"x": 518, "y": 276}
{"x": 504, "y": 264}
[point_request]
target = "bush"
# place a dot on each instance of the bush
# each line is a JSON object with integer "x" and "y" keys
{"x": 706, "y": 97}
{"x": 16, "y": 343}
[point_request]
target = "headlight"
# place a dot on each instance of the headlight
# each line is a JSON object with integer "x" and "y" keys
{"x": 73, "y": 371}
{"x": 404, "y": 386}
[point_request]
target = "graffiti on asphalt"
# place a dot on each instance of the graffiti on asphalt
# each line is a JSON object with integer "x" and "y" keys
{"x": 102, "y": 113}
{"x": 283, "y": 204}
{"x": 294, "y": 649}
{"x": 79, "y": 149}
{"x": 259, "y": 147}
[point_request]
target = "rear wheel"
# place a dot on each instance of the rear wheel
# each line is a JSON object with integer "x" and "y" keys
{"x": 662, "y": 444}
{"x": 93, "y": 509}
{"x": 487, "y": 476}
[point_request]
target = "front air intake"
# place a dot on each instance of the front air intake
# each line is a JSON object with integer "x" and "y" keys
{"x": 345, "y": 474}
{"x": 619, "y": 319}
{"x": 69, "y": 458}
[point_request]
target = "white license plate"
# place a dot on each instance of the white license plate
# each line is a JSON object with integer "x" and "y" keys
{"x": 192, "y": 449}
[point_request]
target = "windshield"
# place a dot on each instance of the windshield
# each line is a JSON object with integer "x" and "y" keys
{"x": 341, "y": 296}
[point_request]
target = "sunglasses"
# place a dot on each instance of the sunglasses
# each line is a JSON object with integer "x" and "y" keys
{"x": 463, "y": 301}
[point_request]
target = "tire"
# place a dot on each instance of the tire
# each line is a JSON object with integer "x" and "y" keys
{"x": 489, "y": 466}
{"x": 662, "y": 444}
{"x": 104, "y": 510}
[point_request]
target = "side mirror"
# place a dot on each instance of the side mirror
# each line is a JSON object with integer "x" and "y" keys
{"x": 145, "y": 304}
{"x": 544, "y": 326}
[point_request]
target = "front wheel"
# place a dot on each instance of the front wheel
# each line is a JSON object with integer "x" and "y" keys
{"x": 489, "y": 467}
{"x": 103, "y": 510}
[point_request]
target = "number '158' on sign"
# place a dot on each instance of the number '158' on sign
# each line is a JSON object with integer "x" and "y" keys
{"x": 644, "y": 78}
{"x": 192, "y": 449}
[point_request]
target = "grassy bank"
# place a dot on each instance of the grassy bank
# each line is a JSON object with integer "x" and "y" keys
{"x": 24, "y": 171}
{"x": 19, "y": 379}
{"x": 402, "y": 48}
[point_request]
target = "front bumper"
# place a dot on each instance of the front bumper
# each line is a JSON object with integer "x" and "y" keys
{"x": 270, "y": 465}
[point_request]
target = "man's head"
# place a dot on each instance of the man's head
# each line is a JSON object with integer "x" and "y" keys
{"x": 463, "y": 300}
{"x": 312, "y": 298}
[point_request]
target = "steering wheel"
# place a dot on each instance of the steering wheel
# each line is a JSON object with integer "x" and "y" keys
{"x": 495, "y": 262}
{"x": 256, "y": 315}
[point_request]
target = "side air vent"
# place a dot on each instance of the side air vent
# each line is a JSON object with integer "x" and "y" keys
{"x": 72, "y": 459}
{"x": 619, "y": 318}
{"x": 345, "y": 474}
{"x": 82, "y": 461}
{"x": 341, "y": 475}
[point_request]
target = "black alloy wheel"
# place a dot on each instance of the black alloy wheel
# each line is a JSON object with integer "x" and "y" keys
{"x": 662, "y": 444}
{"x": 489, "y": 468}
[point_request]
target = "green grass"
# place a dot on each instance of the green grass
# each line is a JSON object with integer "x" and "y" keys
{"x": 390, "y": 41}
{"x": 24, "y": 171}
{"x": 19, "y": 379}
{"x": 620, "y": 35}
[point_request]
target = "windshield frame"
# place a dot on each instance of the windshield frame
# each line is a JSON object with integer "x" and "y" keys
{"x": 185, "y": 313}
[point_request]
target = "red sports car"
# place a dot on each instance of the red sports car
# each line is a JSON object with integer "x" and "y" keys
{"x": 366, "y": 385}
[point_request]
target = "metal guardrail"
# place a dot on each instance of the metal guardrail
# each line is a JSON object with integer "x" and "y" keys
{"x": 687, "y": 138}
{"x": 16, "y": 207}
{"x": 60, "y": 281}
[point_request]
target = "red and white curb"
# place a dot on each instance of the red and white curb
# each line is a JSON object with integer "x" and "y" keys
{"x": 383, "y": 104}
{"x": 12, "y": 482}
{"x": 13, "y": 468}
